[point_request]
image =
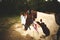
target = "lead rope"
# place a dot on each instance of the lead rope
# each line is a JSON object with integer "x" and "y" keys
{"x": 35, "y": 27}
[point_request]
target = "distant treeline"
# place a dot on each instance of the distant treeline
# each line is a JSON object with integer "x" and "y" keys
{"x": 14, "y": 7}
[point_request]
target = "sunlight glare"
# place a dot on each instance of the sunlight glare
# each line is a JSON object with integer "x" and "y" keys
{"x": 58, "y": 0}
{"x": 46, "y": 0}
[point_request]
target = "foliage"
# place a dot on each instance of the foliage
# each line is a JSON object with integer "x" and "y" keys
{"x": 16, "y": 6}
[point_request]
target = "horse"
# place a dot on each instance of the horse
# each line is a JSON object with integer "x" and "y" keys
{"x": 48, "y": 19}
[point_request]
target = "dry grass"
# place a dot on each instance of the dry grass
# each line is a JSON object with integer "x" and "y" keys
{"x": 7, "y": 32}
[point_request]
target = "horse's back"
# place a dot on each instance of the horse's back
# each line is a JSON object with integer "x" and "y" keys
{"x": 49, "y": 20}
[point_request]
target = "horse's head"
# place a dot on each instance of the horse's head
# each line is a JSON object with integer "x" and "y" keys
{"x": 30, "y": 18}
